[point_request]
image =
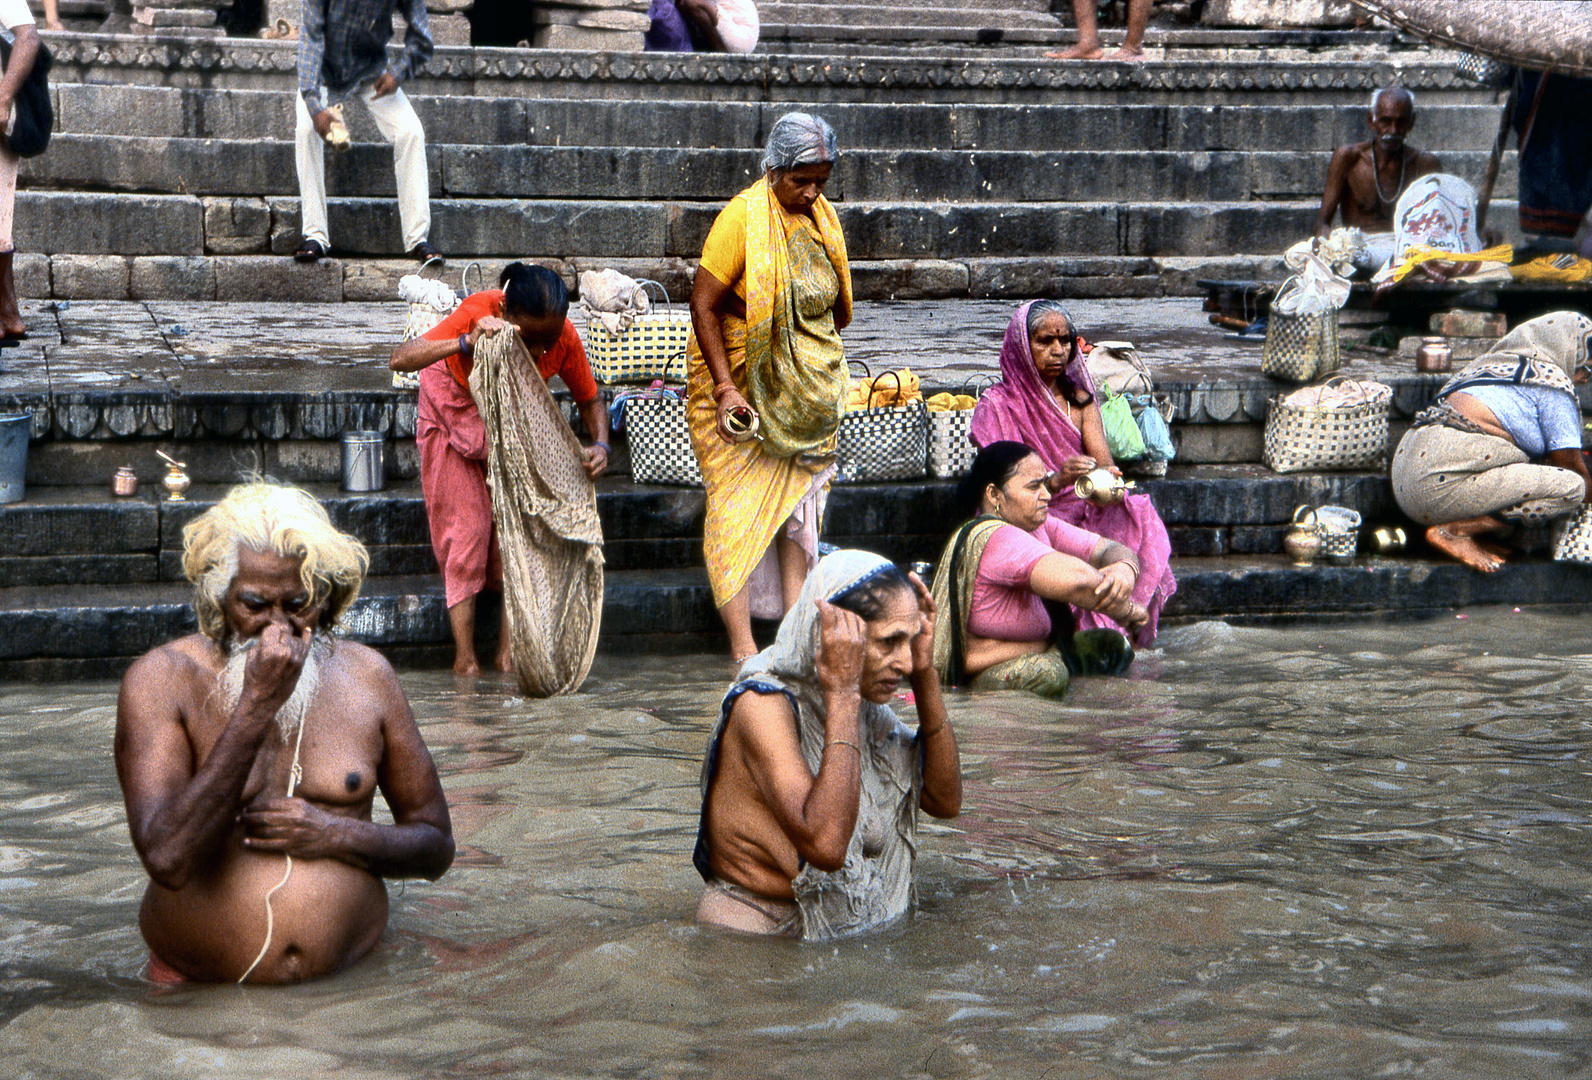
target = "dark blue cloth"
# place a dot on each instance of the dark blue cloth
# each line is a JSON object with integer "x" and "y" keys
{"x": 1556, "y": 164}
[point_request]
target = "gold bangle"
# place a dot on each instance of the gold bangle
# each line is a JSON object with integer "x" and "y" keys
{"x": 720, "y": 389}
{"x": 844, "y": 742}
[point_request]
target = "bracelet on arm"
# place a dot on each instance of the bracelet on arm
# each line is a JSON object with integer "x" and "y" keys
{"x": 925, "y": 734}
{"x": 844, "y": 742}
{"x": 464, "y": 345}
{"x": 606, "y": 448}
{"x": 720, "y": 389}
{"x": 1130, "y": 563}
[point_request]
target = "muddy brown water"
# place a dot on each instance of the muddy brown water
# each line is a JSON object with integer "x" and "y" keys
{"x": 1350, "y": 851}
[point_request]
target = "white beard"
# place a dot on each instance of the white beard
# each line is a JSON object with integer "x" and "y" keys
{"x": 291, "y": 715}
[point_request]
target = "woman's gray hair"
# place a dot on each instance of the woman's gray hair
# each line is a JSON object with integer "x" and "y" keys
{"x": 1040, "y": 308}
{"x": 799, "y": 139}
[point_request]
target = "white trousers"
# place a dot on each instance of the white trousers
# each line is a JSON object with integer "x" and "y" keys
{"x": 396, "y": 120}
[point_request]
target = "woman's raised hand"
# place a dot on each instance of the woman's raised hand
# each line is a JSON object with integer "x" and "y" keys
{"x": 923, "y": 640}
{"x": 842, "y": 648}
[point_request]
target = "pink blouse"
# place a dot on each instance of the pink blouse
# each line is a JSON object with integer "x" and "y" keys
{"x": 1004, "y": 607}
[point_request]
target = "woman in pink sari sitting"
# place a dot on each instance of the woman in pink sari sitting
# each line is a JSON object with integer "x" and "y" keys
{"x": 1046, "y": 399}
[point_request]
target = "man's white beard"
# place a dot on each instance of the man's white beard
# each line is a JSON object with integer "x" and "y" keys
{"x": 291, "y": 714}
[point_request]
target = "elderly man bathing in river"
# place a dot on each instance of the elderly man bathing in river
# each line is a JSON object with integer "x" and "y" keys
{"x": 811, "y": 787}
{"x": 250, "y": 753}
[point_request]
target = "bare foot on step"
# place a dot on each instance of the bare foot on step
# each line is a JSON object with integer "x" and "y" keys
{"x": 1079, "y": 51}
{"x": 1462, "y": 548}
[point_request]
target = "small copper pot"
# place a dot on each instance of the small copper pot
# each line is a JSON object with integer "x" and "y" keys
{"x": 125, "y": 482}
{"x": 1434, "y": 355}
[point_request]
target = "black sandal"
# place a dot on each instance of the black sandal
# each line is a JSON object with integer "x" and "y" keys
{"x": 309, "y": 251}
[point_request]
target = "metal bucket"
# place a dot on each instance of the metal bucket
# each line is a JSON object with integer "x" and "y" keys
{"x": 364, "y": 467}
{"x": 14, "y": 431}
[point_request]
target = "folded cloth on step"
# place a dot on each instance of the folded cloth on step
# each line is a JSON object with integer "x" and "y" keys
{"x": 429, "y": 291}
{"x": 611, "y": 298}
{"x": 1565, "y": 268}
{"x": 1489, "y": 265}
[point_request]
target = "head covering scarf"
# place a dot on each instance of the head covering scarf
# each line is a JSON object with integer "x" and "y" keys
{"x": 795, "y": 365}
{"x": 1545, "y": 351}
{"x": 1020, "y": 408}
{"x": 874, "y": 887}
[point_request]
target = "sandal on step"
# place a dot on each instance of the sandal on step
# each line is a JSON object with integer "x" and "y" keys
{"x": 309, "y": 251}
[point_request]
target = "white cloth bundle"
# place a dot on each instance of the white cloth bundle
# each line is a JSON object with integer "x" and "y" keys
{"x": 429, "y": 291}
{"x": 611, "y": 298}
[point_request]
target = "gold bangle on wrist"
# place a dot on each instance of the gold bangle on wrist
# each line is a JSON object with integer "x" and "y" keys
{"x": 720, "y": 389}
{"x": 844, "y": 742}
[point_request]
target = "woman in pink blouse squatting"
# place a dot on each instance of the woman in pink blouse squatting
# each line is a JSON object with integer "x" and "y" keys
{"x": 1012, "y": 582}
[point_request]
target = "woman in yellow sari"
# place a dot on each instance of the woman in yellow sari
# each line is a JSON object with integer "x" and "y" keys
{"x": 768, "y": 377}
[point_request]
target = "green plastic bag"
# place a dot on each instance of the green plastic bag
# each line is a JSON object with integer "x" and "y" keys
{"x": 1122, "y": 430}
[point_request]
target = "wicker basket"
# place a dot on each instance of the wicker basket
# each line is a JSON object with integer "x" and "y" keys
{"x": 1317, "y": 438}
{"x": 641, "y": 353}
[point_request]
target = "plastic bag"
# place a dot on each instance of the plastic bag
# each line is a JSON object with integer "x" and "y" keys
{"x": 1153, "y": 427}
{"x": 1123, "y": 437}
{"x": 1314, "y": 290}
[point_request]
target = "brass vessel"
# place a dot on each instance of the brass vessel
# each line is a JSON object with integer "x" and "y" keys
{"x": 1303, "y": 540}
{"x": 175, "y": 481}
{"x": 1101, "y": 487}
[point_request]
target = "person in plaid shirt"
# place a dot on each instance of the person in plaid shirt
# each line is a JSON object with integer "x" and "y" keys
{"x": 343, "y": 55}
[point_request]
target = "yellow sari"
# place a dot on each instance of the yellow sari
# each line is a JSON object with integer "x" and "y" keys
{"x": 786, "y": 359}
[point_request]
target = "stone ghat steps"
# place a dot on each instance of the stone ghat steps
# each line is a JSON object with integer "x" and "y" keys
{"x": 80, "y": 535}
{"x": 265, "y": 167}
{"x": 105, "y": 223}
{"x": 95, "y": 631}
{"x": 1269, "y": 74}
{"x": 1115, "y": 120}
{"x": 1186, "y": 42}
{"x": 863, "y": 21}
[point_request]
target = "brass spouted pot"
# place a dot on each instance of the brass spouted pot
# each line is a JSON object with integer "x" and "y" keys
{"x": 1302, "y": 541}
{"x": 1101, "y": 487}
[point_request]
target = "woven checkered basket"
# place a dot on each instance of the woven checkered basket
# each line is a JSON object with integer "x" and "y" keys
{"x": 1317, "y": 438}
{"x": 660, "y": 441}
{"x": 1573, "y": 542}
{"x": 951, "y": 449}
{"x": 1300, "y": 348}
{"x": 639, "y": 354}
{"x": 883, "y": 444}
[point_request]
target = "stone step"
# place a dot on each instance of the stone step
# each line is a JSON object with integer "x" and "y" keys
{"x": 1327, "y": 121}
{"x": 103, "y": 223}
{"x": 256, "y": 168}
{"x": 272, "y": 278}
{"x": 864, "y": 20}
{"x": 91, "y": 631}
{"x": 85, "y": 536}
{"x": 1216, "y": 76}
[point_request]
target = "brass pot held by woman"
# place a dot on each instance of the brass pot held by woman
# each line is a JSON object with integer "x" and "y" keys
{"x": 1101, "y": 487}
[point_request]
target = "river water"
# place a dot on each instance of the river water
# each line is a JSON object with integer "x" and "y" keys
{"x": 1348, "y": 851}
